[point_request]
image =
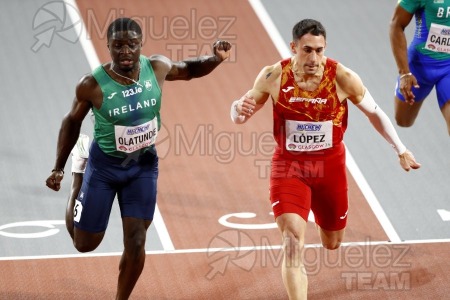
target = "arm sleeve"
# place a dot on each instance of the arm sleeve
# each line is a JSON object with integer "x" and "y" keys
{"x": 381, "y": 122}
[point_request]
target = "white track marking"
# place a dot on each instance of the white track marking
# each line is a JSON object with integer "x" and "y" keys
{"x": 85, "y": 41}
{"x": 444, "y": 214}
{"x": 229, "y": 249}
{"x": 162, "y": 231}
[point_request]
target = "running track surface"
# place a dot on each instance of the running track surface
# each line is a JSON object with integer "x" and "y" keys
{"x": 201, "y": 183}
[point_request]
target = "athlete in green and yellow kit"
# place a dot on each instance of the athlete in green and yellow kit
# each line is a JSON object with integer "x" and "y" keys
{"x": 426, "y": 62}
{"x": 125, "y": 97}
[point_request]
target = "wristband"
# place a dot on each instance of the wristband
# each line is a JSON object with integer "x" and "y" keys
{"x": 58, "y": 170}
{"x": 404, "y": 75}
{"x": 235, "y": 117}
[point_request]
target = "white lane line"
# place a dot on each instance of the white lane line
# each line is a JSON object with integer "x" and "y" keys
{"x": 225, "y": 249}
{"x": 162, "y": 231}
{"x": 284, "y": 51}
{"x": 371, "y": 198}
{"x": 270, "y": 27}
{"x": 85, "y": 41}
{"x": 94, "y": 62}
{"x": 444, "y": 214}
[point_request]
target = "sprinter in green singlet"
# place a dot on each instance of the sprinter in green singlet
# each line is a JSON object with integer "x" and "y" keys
{"x": 125, "y": 97}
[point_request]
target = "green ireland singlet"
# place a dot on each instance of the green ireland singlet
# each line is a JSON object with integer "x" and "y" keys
{"x": 129, "y": 118}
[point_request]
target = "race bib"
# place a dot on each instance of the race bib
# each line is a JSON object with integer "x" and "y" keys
{"x": 308, "y": 136}
{"x": 438, "y": 39}
{"x": 130, "y": 139}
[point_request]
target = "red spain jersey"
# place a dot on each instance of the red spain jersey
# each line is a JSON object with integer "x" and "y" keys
{"x": 308, "y": 121}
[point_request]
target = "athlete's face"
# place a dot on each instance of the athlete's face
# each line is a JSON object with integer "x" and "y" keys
{"x": 309, "y": 51}
{"x": 125, "y": 48}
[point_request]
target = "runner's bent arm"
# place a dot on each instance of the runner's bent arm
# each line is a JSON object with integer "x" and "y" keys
{"x": 70, "y": 128}
{"x": 351, "y": 86}
{"x": 195, "y": 67}
{"x": 254, "y": 99}
{"x": 400, "y": 20}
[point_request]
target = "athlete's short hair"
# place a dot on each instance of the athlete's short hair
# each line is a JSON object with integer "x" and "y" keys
{"x": 308, "y": 26}
{"x": 123, "y": 24}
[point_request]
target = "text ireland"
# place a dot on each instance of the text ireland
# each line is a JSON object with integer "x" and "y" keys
{"x": 132, "y": 107}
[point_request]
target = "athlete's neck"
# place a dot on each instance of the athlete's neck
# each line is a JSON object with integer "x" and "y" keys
{"x": 303, "y": 75}
{"x": 132, "y": 76}
{"x": 307, "y": 81}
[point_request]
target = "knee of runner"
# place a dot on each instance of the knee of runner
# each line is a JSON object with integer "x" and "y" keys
{"x": 135, "y": 246}
{"x": 292, "y": 245}
{"x": 332, "y": 245}
{"x": 402, "y": 122}
{"x": 84, "y": 247}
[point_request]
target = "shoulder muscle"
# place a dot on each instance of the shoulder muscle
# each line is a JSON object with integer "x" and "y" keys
{"x": 349, "y": 84}
{"x": 266, "y": 83}
{"x": 87, "y": 88}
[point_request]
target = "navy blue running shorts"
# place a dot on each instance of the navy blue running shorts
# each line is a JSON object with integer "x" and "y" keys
{"x": 132, "y": 181}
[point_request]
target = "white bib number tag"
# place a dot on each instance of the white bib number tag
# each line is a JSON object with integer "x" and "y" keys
{"x": 308, "y": 136}
{"x": 130, "y": 139}
{"x": 77, "y": 210}
{"x": 438, "y": 39}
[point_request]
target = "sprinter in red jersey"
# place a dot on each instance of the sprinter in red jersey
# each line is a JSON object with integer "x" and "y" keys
{"x": 309, "y": 93}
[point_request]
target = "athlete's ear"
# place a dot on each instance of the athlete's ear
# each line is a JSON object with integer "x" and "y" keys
{"x": 293, "y": 45}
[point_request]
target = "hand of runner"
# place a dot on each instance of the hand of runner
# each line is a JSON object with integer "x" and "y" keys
{"x": 222, "y": 49}
{"x": 246, "y": 106}
{"x": 54, "y": 180}
{"x": 407, "y": 161}
{"x": 407, "y": 82}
